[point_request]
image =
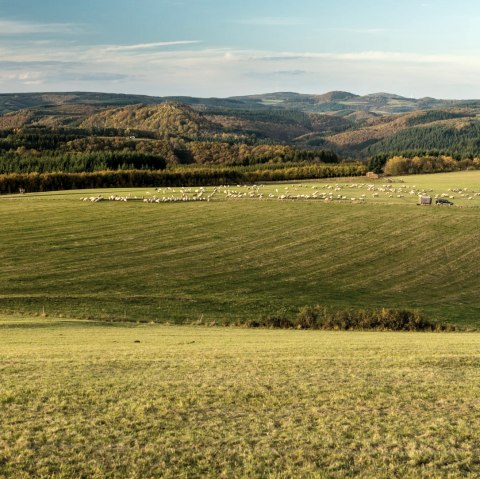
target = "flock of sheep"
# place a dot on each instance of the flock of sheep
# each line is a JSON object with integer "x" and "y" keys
{"x": 329, "y": 192}
{"x": 169, "y": 196}
{"x": 462, "y": 193}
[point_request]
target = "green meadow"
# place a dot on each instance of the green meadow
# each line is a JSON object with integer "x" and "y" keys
{"x": 96, "y": 400}
{"x": 233, "y": 259}
{"x": 92, "y": 387}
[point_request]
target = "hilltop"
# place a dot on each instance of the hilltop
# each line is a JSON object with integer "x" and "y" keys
{"x": 169, "y": 119}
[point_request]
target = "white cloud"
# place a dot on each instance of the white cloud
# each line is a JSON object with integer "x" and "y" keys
{"x": 23, "y": 77}
{"x": 189, "y": 69}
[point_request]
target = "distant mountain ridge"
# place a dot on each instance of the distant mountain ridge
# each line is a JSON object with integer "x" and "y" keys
{"x": 333, "y": 101}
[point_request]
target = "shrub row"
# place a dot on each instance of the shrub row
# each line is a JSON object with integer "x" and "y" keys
{"x": 400, "y": 165}
{"x": 36, "y": 182}
{"x": 323, "y": 318}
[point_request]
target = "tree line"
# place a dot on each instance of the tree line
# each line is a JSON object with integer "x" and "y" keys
{"x": 14, "y": 162}
{"x": 37, "y": 182}
{"x": 399, "y": 165}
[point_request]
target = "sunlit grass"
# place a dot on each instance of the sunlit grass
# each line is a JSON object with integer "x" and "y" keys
{"x": 80, "y": 399}
{"x": 233, "y": 259}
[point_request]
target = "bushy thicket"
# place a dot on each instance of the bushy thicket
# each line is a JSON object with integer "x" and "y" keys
{"x": 323, "y": 318}
{"x": 32, "y": 182}
{"x": 400, "y": 165}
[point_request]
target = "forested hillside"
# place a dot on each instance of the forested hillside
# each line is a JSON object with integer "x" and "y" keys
{"x": 460, "y": 139}
{"x": 167, "y": 120}
{"x": 270, "y": 128}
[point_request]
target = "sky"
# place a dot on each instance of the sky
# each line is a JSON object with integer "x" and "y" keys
{"x": 221, "y": 48}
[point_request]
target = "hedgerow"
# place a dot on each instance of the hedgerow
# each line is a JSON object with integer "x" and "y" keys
{"x": 324, "y": 318}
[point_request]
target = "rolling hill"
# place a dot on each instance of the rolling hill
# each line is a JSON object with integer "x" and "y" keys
{"x": 10, "y": 102}
{"x": 388, "y": 126}
{"x": 339, "y": 101}
{"x": 335, "y": 101}
{"x": 351, "y": 125}
{"x": 168, "y": 119}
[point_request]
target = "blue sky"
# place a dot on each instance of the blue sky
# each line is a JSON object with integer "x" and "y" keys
{"x": 228, "y": 47}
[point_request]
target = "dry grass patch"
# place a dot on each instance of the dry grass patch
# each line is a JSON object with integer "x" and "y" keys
{"x": 86, "y": 400}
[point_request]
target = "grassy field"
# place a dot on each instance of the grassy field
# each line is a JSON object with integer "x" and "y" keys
{"x": 85, "y": 399}
{"x": 233, "y": 259}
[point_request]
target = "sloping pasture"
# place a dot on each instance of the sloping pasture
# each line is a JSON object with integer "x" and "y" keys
{"x": 229, "y": 259}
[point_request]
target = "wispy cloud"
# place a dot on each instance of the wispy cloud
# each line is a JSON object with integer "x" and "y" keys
{"x": 12, "y": 27}
{"x": 193, "y": 69}
{"x": 148, "y": 46}
{"x": 395, "y": 57}
{"x": 155, "y": 53}
{"x": 372, "y": 56}
{"x": 22, "y": 77}
{"x": 41, "y": 76}
{"x": 280, "y": 58}
{"x": 95, "y": 76}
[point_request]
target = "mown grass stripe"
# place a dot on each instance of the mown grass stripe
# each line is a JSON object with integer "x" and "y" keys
{"x": 233, "y": 259}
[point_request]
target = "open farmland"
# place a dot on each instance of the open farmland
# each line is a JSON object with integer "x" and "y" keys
{"x": 84, "y": 399}
{"x": 239, "y": 256}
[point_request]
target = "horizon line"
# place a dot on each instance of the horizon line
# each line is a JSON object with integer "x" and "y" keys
{"x": 382, "y": 93}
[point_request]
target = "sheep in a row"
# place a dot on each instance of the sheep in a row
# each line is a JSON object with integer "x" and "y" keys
{"x": 93, "y": 199}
